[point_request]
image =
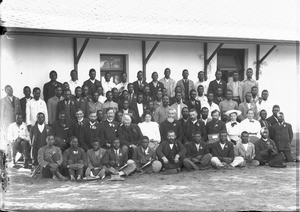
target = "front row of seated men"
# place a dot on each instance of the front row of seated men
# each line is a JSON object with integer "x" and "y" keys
{"x": 170, "y": 156}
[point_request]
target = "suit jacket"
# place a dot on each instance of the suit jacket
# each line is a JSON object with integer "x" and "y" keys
{"x": 23, "y": 102}
{"x": 141, "y": 157}
{"x": 196, "y": 106}
{"x": 153, "y": 89}
{"x": 83, "y": 105}
{"x": 94, "y": 160}
{"x": 130, "y": 135}
{"x": 164, "y": 150}
{"x": 9, "y": 109}
{"x": 213, "y": 86}
{"x": 282, "y": 135}
{"x": 189, "y": 129}
{"x": 133, "y": 106}
{"x": 63, "y": 132}
{"x": 79, "y": 132}
{"x": 108, "y": 133}
{"x": 110, "y": 159}
{"x": 249, "y": 153}
{"x": 243, "y": 107}
{"x": 49, "y": 90}
{"x": 217, "y": 100}
{"x": 181, "y": 84}
{"x": 215, "y": 127}
{"x": 240, "y": 88}
{"x": 227, "y": 152}
{"x": 137, "y": 88}
{"x": 272, "y": 120}
{"x": 165, "y": 126}
{"x": 92, "y": 86}
{"x": 265, "y": 124}
{"x": 169, "y": 85}
{"x": 261, "y": 148}
{"x": 71, "y": 158}
{"x": 192, "y": 151}
{"x": 61, "y": 106}
{"x": 92, "y": 132}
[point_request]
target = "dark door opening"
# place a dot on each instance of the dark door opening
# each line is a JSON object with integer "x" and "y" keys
{"x": 114, "y": 64}
{"x": 230, "y": 60}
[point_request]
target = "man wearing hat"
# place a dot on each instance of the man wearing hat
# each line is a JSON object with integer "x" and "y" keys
{"x": 246, "y": 150}
{"x": 171, "y": 153}
{"x": 282, "y": 134}
{"x": 50, "y": 158}
{"x": 266, "y": 151}
{"x": 198, "y": 156}
{"x": 145, "y": 158}
{"x": 252, "y": 126}
{"x": 233, "y": 127}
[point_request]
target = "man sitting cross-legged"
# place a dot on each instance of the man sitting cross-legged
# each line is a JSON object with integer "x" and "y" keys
{"x": 246, "y": 150}
{"x": 75, "y": 159}
{"x": 266, "y": 151}
{"x": 197, "y": 156}
{"x": 145, "y": 158}
{"x": 94, "y": 160}
{"x": 116, "y": 160}
{"x": 50, "y": 158}
{"x": 223, "y": 153}
{"x": 171, "y": 153}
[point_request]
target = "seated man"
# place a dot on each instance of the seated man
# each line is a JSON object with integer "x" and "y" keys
{"x": 171, "y": 153}
{"x": 94, "y": 161}
{"x": 129, "y": 134}
{"x": 75, "y": 159}
{"x": 223, "y": 153}
{"x": 50, "y": 158}
{"x": 246, "y": 150}
{"x": 18, "y": 136}
{"x": 266, "y": 151}
{"x": 214, "y": 127}
{"x": 116, "y": 160}
{"x": 197, "y": 156}
{"x": 145, "y": 158}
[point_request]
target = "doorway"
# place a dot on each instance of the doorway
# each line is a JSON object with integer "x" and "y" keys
{"x": 230, "y": 60}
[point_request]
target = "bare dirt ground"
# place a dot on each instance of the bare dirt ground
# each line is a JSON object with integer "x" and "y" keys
{"x": 261, "y": 188}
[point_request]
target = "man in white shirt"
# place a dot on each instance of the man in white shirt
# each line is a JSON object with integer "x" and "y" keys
{"x": 237, "y": 88}
{"x": 251, "y": 126}
{"x": 108, "y": 84}
{"x": 74, "y": 82}
{"x": 201, "y": 97}
{"x": 18, "y": 138}
{"x": 123, "y": 84}
{"x": 210, "y": 104}
{"x": 169, "y": 83}
{"x": 35, "y": 106}
{"x": 201, "y": 82}
{"x": 264, "y": 104}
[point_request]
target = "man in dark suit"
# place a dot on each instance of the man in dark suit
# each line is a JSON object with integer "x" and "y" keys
{"x": 223, "y": 153}
{"x": 185, "y": 84}
{"x": 62, "y": 131}
{"x": 155, "y": 85}
{"x": 266, "y": 151}
{"x": 78, "y": 129}
{"x": 185, "y": 116}
{"x": 132, "y": 96}
{"x": 138, "y": 85}
{"x": 49, "y": 87}
{"x": 125, "y": 109}
{"x": 171, "y": 124}
{"x": 263, "y": 122}
{"x": 92, "y": 83}
{"x": 282, "y": 134}
{"x": 198, "y": 155}
{"x": 218, "y": 97}
{"x": 192, "y": 126}
{"x": 192, "y": 103}
{"x": 24, "y": 100}
{"x": 274, "y": 119}
{"x": 81, "y": 102}
{"x": 215, "y": 126}
{"x": 68, "y": 105}
{"x": 138, "y": 107}
{"x": 171, "y": 153}
{"x": 115, "y": 158}
{"x": 108, "y": 129}
{"x": 217, "y": 83}
{"x": 92, "y": 130}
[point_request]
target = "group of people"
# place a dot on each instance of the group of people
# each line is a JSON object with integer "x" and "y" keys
{"x": 93, "y": 129}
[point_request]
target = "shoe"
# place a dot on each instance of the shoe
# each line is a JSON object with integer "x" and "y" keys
{"x": 61, "y": 177}
{"x": 55, "y": 178}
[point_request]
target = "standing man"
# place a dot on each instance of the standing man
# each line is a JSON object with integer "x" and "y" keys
{"x": 171, "y": 153}
{"x": 201, "y": 82}
{"x": 161, "y": 112}
{"x": 49, "y": 87}
{"x": 35, "y": 106}
{"x": 78, "y": 128}
{"x": 24, "y": 100}
{"x": 138, "y": 85}
{"x": 218, "y": 83}
{"x": 168, "y": 83}
{"x": 282, "y": 134}
{"x": 74, "y": 82}
{"x": 255, "y": 96}
{"x": 263, "y": 103}
{"x": 68, "y": 105}
{"x": 247, "y": 105}
{"x": 92, "y": 83}
{"x": 62, "y": 131}
{"x": 178, "y": 105}
{"x": 211, "y": 106}
{"x": 274, "y": 118}
{"x": 123, "y": 84}
{"x": 109, "y": 103}
{"x": 248, "y": 83}
{"x": 228, "y": 103}
{"x": 92, "y": 130}
{"x": 107, "y": 85}
{"x": 237, "y": 88}
{"x": 185, "y": 84}
{"x": 155, "y": 85}
{"x": 138, "y": 107}
{"x": 81, "y": 102}
{"x": 201, "y": 97}
{"x": 52, "y": 105}
{"x": 193, "y": 103}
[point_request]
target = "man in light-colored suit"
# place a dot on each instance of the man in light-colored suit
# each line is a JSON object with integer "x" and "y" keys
{"x": 237, "y": 88}
{"x": 168, "y": 83}
{"x": 185, "y": 84}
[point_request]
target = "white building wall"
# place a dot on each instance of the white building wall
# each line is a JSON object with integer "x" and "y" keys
{"x": 28, "y": 60}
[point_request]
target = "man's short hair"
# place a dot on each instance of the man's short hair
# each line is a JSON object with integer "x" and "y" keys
{"x": 26, "y": 87}
{"x": 139, "y": 72}
{"x": 145, "y": 137}
{"x": 51, "y": 72}
{"x": 263, "y": 129}
{"x": 36, "y": 89}
{"x": 244, "y": 132}
{"x": 184, "y": 70}
{"x": 254, "y": 87}
{"x": 62, "y": 112}
{"x": 92, "y": 70}
{"x": 167, "y": 69}
{"x": 171, "y": 131}
{"x": 215, "y": 111}
{"x": 40, "y": 113}
{"x": 72, "y": 138}
{"x": 108, "y": 109}
{"x": 250, "y": 110}
{"x": 275, "y": 106}
{"x": 78, "y": 110}
{"x": 249, "y": 69}
{"x": 197, "y": 133}
{"x": 193, "y": 90}
{"x": 78, "y": 87}
{"x": 193, "y": 110}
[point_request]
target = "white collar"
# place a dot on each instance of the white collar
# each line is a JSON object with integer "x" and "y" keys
{"x": 93, "y": 81}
